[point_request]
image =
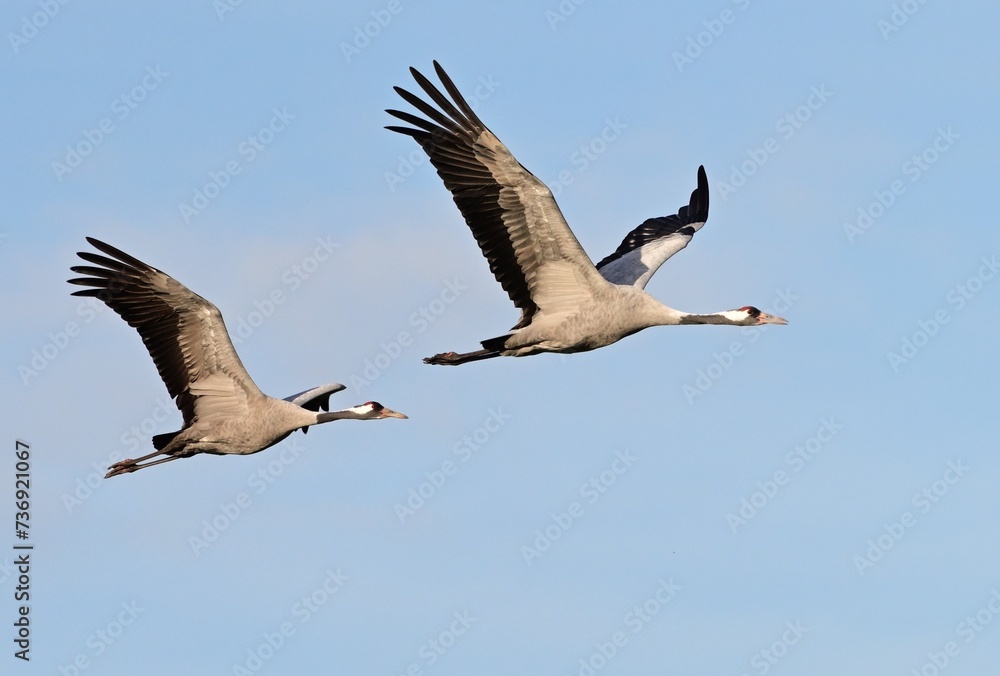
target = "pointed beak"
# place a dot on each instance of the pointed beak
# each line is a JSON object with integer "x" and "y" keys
{"x": 765, "y": 318}
{"x": 389, "y": 413}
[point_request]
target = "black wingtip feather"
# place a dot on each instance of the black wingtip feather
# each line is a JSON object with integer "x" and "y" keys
{"x": 695, "y": 211}
{"x": 111, "y": 251}
{"x": 451, "y": 137}
{"x": 456, "y": 95}
{"x": 83, "y": 292}
{"x": 698, "y": 204}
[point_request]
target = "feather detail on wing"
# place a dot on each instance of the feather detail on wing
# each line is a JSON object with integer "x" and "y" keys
{"x": 648, "y": 246}
{"x": 316, "y": 398}
{"x": 511, "y": 213}
{"x": 183, "y": 332}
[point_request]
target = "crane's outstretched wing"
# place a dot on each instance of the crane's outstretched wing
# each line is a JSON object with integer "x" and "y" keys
{"x": 316, "y": 398}
{"x": 513, "y": 216}
{"x": 647, "y": 247}
{"x": 184, "y": 333}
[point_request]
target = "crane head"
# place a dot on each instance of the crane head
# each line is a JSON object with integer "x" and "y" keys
{"x": 748, "y": 315}
{"x": 372, "y": 410}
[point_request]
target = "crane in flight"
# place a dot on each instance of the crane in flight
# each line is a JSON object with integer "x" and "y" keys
{"x": 567, "y": 303}
{"x": 224, "y": 411}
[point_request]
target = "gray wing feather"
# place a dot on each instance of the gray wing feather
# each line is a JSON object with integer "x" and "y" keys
{"x": 647, "y": 247}
{"x": 511, "y": 213}
{"x": 183, "y": 332}
{"x": 316, "y": 398}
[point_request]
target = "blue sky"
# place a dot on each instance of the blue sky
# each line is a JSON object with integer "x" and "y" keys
{"x": 818, "y": 498}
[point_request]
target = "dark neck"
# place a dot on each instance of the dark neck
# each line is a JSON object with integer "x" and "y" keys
{"x": 338, "y": 415}
{"x": 719, "y": 318}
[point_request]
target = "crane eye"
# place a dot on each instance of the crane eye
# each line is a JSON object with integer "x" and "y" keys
{"x": 750, "y": 310}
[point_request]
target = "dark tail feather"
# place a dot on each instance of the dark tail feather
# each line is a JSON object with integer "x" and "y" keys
{"x": 454, "y": 359}
{"x": 497, "y": 344}
{"x": 160, "y": 441}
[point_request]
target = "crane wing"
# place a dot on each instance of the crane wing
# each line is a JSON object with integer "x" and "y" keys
{"x": 512, "y": 214}
{"x": 647, "y": 247}
{"x": 183, "y": 332}
{"x": 316, "y": 398}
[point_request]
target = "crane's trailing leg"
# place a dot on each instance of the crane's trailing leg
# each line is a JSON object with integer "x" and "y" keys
{"x": 127, "y": 466}
{"x": 454, "y": 358}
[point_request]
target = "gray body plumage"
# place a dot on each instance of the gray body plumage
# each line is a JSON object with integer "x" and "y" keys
{"x": 262, "y": 424}
{"x": 614, "y": 312}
